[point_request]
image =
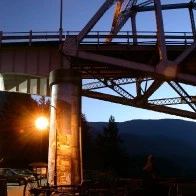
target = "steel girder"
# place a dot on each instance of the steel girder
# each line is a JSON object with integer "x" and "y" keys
{"x": 130, "y": 102}
{"x": 121, "y": 81}
{"x": 184, "y": 95}
{"x": 183, "y": 99}
{"x": 73, "y": 42}
{"x": 158, "y": 73}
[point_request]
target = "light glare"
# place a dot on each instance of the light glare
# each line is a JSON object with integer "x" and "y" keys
{"x": 41, "y": 123}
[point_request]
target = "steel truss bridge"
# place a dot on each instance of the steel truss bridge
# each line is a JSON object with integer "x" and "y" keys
{"x": 133, "y": 65}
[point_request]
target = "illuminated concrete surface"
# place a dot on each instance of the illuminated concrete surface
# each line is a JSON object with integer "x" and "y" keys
{"x": 15, "y": 190}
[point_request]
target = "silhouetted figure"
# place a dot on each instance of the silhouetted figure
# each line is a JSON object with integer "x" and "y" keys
{"x": 151, "y": 179}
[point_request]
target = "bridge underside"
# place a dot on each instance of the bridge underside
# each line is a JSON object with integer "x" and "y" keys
{"x": 128, "y": 60}
{"x": 128, "y": 56}
{"x": 134, "y": 67}
{"x": 114, "y": 67}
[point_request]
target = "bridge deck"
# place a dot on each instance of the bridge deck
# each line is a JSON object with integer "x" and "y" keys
{"x": 145, "y": 54}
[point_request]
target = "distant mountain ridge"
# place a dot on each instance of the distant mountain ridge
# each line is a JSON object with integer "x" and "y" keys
{"x": 172, "y": 128}
{"x": 172, "y": 139}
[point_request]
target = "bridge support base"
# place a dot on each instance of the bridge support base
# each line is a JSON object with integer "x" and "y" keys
{"x": 64, "y": 158}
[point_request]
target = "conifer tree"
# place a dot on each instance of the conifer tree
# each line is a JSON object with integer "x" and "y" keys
{"x": 87, "y": 144}
{"x": 110, "y": 151}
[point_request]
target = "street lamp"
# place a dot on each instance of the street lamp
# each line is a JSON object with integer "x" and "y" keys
{"x": 61, "y": 21}
{"x": 41, "y": 123}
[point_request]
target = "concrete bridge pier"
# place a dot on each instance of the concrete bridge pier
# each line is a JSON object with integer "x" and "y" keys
{"x": 64, "y": 158}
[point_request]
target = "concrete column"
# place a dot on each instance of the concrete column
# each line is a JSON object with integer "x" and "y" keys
{"x": 2, "y": 85}
{"x": 64, "y": 165}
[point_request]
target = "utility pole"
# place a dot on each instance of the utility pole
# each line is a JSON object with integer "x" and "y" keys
{"x": 61, "y": 21}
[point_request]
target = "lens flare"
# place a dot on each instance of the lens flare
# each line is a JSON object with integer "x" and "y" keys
{"x": 42, "y": 123}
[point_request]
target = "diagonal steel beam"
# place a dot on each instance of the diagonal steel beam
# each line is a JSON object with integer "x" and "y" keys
{"x": 94, "y": 20}
{"x": 130, "y": 102}
{"x": 160, "y": 35}
{"x": 115, "y": 87}
{"x": 120, "y": 81}
{"x": 184, "y": 54}
{"x": 185, "y": 96}
{"x": 186, "y": 78}
{"x": 109, "y": 60}
{"x": 192, "y": 20}
{"x": 166, "y": 7}
{"x": 170, "y": 101}
{"x": 115, "y": 17}
{"x": 98, "y": 85}
{"x": 154, "y": 86}
{"x": 138, "y": 88}
{"x": 121, "y": 19}
{"x": 145, "y": 3}
{"x": 134, "y": 28}
{"x": 113, "y": 84}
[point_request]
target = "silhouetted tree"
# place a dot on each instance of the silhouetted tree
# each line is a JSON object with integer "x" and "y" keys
{"x": 17, "y": 112}
{"x": 87, "y": 144}
{"x": 20, "y": 141}
{"x": 111, "y": 155}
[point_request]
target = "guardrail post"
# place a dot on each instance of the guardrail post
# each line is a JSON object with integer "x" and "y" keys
{"x": 134, "y": 29}
{"x": 98, "y": 38}
{"x": 30, "y": 37}
{"x": 185, "y": 41}
{"x": 60, "y": 34}
{"x": 60, "y": 38}
{"x": 1, "y": 37}
{"x": 128, "y": 38}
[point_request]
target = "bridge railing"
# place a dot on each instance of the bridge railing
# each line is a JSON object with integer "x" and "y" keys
{"x": 99, "y": 37}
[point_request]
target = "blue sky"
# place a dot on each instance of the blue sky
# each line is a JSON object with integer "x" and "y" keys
{"x": 44, "y": 15}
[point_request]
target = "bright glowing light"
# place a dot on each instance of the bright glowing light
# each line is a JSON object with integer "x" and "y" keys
{"x": 42, "y": 123}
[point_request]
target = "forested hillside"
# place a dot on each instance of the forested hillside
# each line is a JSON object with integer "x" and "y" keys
{"x": 172, "y": 141}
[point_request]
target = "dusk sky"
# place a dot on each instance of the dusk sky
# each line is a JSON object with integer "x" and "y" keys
{"x": 44, "y": 15}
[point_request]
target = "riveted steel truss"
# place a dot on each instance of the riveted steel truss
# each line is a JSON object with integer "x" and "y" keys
{"x": 133, "y": 80}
